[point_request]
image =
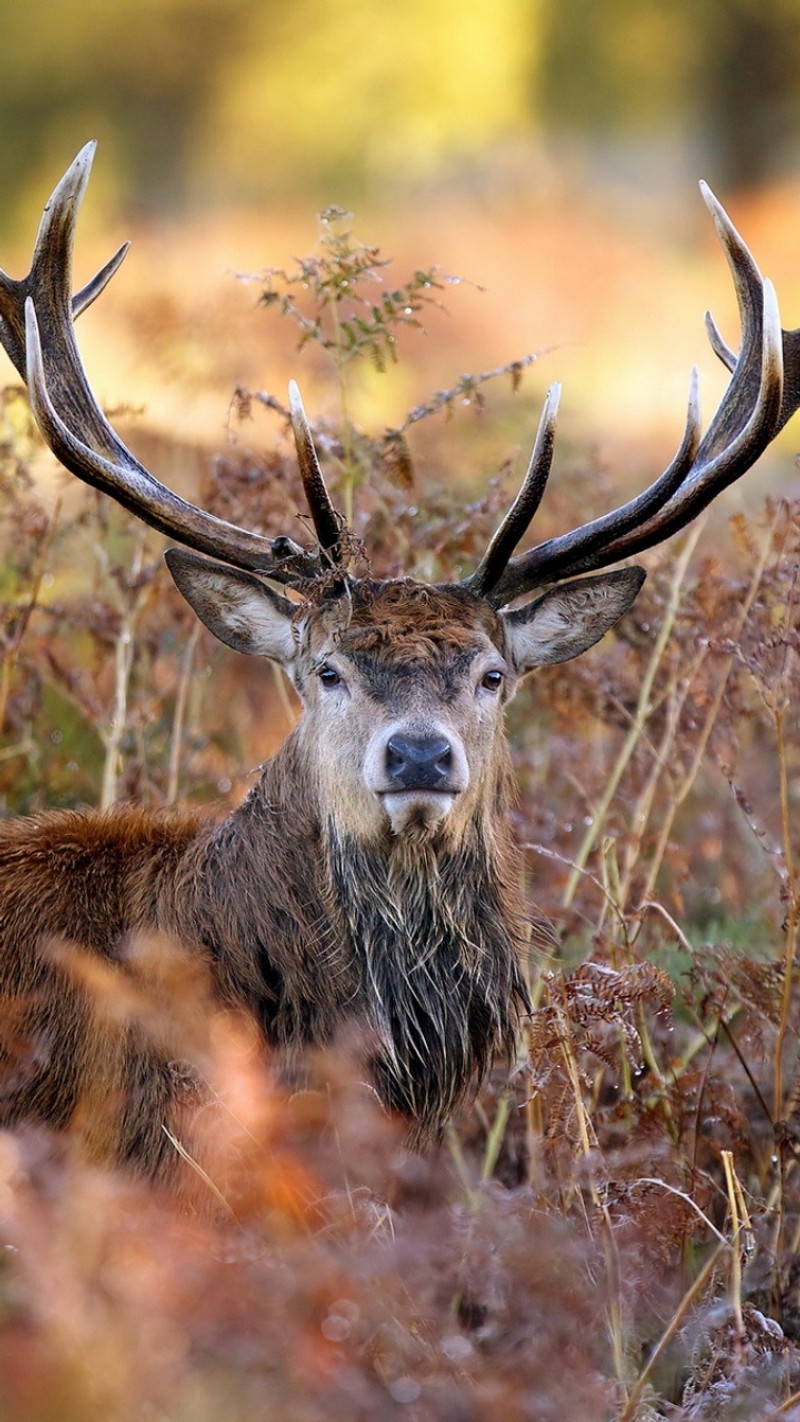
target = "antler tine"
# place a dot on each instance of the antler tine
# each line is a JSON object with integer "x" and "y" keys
{"x": 52, "y": 261}
{"x": 753, "y": 409}
{"x": 755, "y": 405}
{"x": 740, "y": 258}
{"x": 327, "y": 522}
{"x": 52, "y": 251}
{"x": 12, "y": 306}
{"x": 522, "y": 511}
{"x": 583, "y": 549}
{"x": 136, "y": 489}
{"x": 718, "y": 344}
{"x": 36, "y": 329}
{"x": 90, "y": 292}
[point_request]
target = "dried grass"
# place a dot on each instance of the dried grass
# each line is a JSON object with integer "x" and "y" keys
{"x": 642, "y": 1257}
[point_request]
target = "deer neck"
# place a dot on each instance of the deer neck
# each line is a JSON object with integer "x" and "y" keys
{"x": 420, "y": 941}
{"x": 437, "y": 945}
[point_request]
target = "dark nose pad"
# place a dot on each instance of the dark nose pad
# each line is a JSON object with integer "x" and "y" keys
{"x": 418, "y": 762}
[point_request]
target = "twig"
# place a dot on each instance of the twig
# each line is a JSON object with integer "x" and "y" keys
{"x": 736, "y": 1257}
{"x": 11, "y": 651}
{"x": 792, "y": 916}
{"x": 643, "y": 709}
{"x": 179, "y": 716}
{"x": 681, "y": 1194}
{"x": 197, "y": 1168}
{"x": 681, "y": 792}
{"x": 679, "y": 1315}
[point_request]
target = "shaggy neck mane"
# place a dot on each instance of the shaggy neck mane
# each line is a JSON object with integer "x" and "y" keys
{"x": 418, "y": 940}
{"x": 437, "y": 945}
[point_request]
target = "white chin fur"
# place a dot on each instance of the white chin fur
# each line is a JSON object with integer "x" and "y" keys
{"x": 416, "y": 810}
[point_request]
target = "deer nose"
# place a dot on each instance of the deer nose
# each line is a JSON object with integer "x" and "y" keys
{"x": 418, "y": 762}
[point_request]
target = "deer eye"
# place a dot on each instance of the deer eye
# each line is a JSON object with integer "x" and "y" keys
{"x": 328, "y": 675}
{"x": 492, "y": 681}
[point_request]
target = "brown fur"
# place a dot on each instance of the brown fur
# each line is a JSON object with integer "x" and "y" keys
{"x": 307, "y": 924}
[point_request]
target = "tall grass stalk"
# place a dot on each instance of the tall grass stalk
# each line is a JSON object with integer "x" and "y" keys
{"x": 643, "y": 709}
{"x": 124, "y": 656}
{"x": 682, "y": 787}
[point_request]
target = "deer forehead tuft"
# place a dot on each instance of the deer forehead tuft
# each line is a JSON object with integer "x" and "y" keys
{"x": 416, "y": 621}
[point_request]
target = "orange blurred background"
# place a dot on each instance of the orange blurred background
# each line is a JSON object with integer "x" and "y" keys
{"x": 547, "y": 152}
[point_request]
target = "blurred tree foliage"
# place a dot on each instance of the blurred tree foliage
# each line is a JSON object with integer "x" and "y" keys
{"x": 382, "y": 92}
{"x": 747, "y": 90}
{"x": 263, "y": 98}
{"x": 137, "y": 73}
{"x": 718, "y": 76}
{"x": 254, "y": 101}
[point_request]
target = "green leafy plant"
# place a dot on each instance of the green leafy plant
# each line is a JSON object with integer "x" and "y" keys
{"x": 342, "y": 301}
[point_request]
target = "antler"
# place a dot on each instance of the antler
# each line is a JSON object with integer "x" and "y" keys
{"x": 764, "y": 391}
{"x": 36, "y": 330}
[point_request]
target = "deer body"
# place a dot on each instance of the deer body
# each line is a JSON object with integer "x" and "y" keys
{"x": 370, "y": 877}
{"x": 309, "y": 911}
{"x": 307, "y": 930}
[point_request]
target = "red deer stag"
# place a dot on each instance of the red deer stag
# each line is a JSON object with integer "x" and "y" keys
{"x": 370, "y": 876}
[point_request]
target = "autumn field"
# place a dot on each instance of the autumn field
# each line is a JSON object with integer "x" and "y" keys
{"x": 616, "y": 1233}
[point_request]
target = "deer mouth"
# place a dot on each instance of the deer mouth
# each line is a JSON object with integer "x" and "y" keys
{"x": 417, "y": 810}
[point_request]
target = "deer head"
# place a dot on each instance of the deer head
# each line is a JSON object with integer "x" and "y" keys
{"x": 406, "y": 734}
{"x": 405, "y": 683}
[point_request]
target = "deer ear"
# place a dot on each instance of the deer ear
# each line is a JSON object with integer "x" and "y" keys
{"x": 239, "y": 609}
{"x": 570, "y": 618}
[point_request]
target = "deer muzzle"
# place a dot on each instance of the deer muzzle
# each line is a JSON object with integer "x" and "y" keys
{"x": 417, "y": 773}
{"x": 418, "y": 762}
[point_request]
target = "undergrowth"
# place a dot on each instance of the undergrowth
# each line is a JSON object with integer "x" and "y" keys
{"x": 614, "y": 1235}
